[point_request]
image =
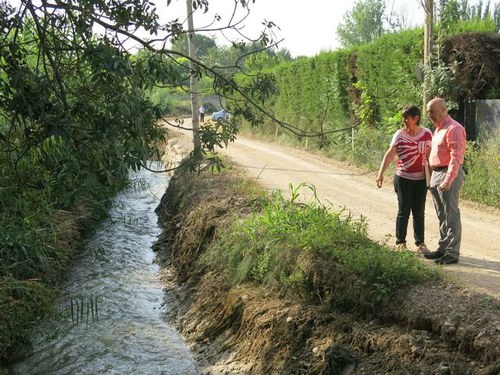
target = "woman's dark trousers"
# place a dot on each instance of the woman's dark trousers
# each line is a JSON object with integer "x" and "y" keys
{"x": 411, "y": 197}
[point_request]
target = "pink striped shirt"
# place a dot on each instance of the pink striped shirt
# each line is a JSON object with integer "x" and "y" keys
{"x": 448, "y": 147}
{"x": 411, "y": 152}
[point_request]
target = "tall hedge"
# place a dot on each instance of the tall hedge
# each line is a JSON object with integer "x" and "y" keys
{"x": 320, "y": 94}
{"x": 387, "y": 68}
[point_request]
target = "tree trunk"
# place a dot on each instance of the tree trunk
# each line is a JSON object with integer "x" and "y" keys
{"x": 193, "y": 82}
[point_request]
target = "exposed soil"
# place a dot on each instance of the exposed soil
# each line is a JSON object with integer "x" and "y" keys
{"x": 445, "y": 328}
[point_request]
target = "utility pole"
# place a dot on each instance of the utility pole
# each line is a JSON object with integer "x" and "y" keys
{"x": 193, "y": 82}
{"x": 428, "y": 37}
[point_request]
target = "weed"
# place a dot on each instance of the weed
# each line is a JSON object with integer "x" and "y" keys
{"x": 80, "y": 310}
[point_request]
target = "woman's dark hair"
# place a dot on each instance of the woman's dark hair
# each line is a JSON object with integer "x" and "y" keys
{"x": 412, "y": 111}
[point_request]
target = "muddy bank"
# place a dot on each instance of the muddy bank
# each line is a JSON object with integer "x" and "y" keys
{"x": 428, "y": 329}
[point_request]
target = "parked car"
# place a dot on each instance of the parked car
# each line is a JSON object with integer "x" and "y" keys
{"x": 220, "y": 115}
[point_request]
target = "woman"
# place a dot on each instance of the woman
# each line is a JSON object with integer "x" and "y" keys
{"x": 412, "y": 145}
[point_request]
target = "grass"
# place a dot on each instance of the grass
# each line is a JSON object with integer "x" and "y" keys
{"x": 313, "y": 251}
{"x": 81, "y": 309}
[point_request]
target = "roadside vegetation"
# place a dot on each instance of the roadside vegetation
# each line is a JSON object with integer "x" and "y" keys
{"x": 285, "y": 245}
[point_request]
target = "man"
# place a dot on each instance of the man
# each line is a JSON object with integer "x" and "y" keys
{"x": 202, "y": 113}
{"x": 446, "y": 159}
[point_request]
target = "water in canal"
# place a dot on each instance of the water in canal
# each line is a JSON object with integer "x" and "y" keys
{"x": 111, "y": 311}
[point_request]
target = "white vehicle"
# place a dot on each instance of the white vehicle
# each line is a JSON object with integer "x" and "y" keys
{"x": 220, "y": 115}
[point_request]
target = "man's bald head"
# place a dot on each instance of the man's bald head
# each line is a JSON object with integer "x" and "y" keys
{"x": 437, "y": 110}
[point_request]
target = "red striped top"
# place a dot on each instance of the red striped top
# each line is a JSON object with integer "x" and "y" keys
{"x": 411, "y": 151}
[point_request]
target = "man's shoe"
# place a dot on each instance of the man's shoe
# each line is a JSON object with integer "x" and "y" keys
{"x": 446, "y": 259}
{"x": 434, "y": 254}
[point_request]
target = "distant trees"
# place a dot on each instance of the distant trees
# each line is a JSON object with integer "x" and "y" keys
{"x": 367, "y": 19}
{"x": 362, "y": 24}
{"x": 454, "y": 10}
{"x": 455, "y": 15}
{"x": 203, "y": 45}
{"x": 233, "y": 55}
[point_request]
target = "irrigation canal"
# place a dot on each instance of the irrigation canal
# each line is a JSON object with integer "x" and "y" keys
{"x": 110, "y": 315}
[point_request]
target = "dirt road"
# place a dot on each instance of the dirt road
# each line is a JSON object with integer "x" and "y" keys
{"x": 277, "y": 166}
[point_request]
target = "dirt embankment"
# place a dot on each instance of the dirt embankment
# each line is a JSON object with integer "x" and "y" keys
{"x": 428, "y": 329}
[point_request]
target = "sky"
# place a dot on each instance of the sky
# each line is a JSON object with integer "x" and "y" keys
{"x": 308, "y": 27}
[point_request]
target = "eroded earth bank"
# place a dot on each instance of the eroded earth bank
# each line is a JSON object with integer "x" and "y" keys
{"x": 438, "y": 328}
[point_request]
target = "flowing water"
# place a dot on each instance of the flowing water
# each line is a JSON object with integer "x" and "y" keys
{"x": 111, "y": 312}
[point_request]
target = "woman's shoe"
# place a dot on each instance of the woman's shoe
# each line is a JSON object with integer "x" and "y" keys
{"x": 401, "y": 246}
{"x": 422, "y": 249}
